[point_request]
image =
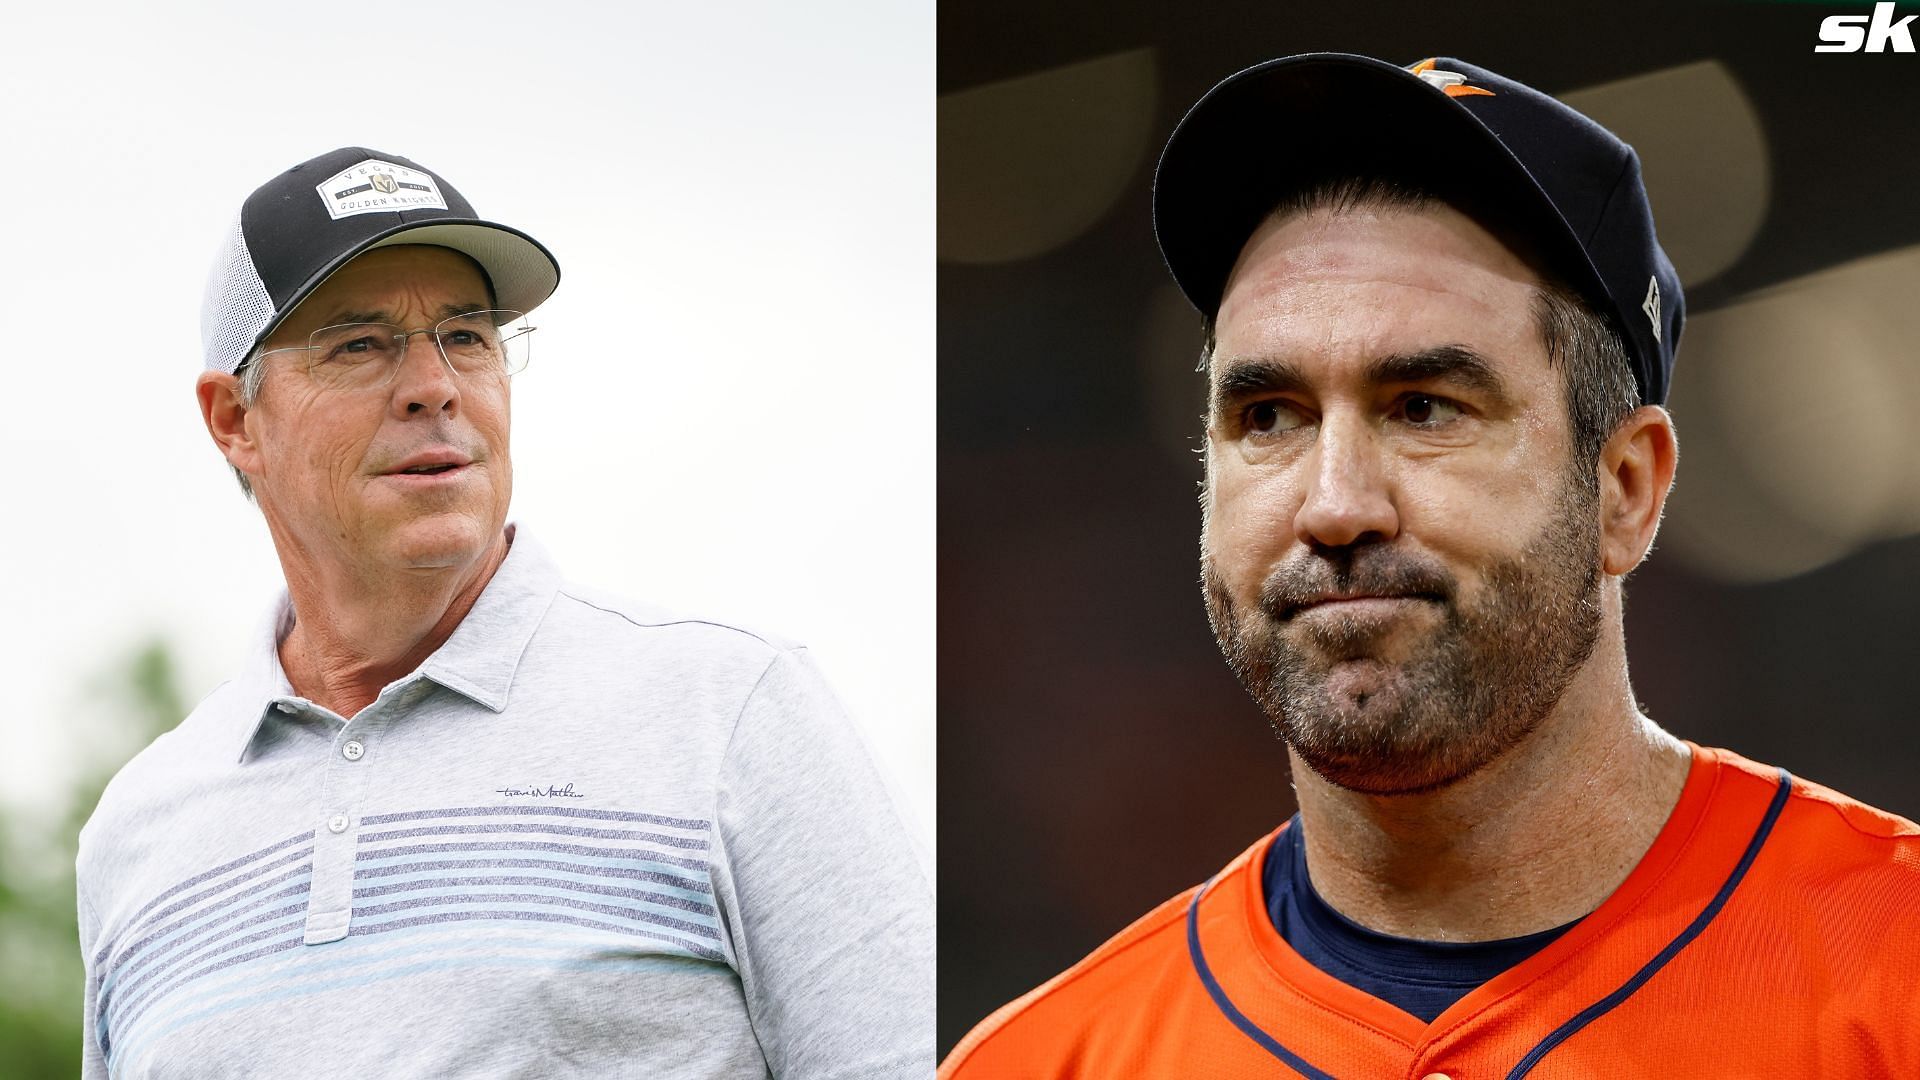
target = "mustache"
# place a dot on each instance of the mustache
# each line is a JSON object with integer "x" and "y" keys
{"x": 1370, "y": 571}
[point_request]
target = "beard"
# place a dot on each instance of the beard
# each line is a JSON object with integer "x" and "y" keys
{"x": 1462, "y": 693}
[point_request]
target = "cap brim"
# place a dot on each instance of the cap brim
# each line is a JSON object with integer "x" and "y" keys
{"x": 522, "y": 271}
{"x": 1255, "y": 136}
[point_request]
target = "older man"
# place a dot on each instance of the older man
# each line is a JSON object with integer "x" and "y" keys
{"x": 457, "y": 816}
{"x": 1440, "y": 330}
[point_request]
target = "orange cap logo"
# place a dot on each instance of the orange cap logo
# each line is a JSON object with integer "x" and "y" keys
{"x": 1450, "y": 83}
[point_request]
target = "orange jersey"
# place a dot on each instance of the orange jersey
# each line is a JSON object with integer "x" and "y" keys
{"x": 1773, "y": 929}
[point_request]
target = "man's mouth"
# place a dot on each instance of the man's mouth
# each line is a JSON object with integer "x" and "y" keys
{"x": 437, "y": 461}
{"x": 1356, "y": 603}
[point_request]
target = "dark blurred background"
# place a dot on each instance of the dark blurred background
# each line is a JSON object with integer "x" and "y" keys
{"x": 1096, "y": 756}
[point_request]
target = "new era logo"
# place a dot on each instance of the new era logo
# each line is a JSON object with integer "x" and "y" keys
{"x": 1866, "y": 33}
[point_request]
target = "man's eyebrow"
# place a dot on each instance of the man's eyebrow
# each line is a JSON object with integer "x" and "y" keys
{"x": 446, "y": 311}
{"x": 1245, "y": 377}
{"x": 1457, "y": 364}
{"x": 1242, "y": 378}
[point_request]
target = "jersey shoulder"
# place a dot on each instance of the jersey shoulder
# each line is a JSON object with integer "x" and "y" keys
{"x": 1815, "y": 811}
{"x": 1871, "y": 823}
{"x": 1115, "y": 990}
{"x": 1839, "y": 870}
{"x": 1043, "y": 1025}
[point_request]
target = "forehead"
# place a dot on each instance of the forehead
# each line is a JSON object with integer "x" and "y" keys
{"x": 1332, "y": 287}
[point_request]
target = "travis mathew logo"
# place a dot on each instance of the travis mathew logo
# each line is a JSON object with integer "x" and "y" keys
{"x": 1866, "y": 33}
{"x": 550, "y": 792}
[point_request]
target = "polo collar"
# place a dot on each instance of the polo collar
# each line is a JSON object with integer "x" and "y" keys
{"x": 477, "y": 661}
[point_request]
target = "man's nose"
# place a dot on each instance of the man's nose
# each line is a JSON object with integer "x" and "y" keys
{"x": 425, "y": 381}
{"x": 1349, "y": 498}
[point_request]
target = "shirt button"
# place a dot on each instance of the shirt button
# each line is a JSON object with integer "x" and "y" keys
{"x": 1436, "y": 1076}
{"x": 283, "y": 706}
{"x": 352, "y": 751}
{"x": 337, "y": 823}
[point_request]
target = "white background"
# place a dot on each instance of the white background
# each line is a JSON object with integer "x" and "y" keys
{"x": 730, "y": 405}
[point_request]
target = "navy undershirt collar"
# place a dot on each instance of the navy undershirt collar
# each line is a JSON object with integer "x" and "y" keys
{"x": 1420, "y": 977}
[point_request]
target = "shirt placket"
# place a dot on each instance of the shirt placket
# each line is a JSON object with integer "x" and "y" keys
{"x": 343, "y": 793}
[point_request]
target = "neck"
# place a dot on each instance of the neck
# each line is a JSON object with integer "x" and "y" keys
{"x": 356, "y": 632}
{"x": 1536, "y": 839}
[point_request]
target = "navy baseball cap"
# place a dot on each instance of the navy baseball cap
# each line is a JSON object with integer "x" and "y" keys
{"x": 1544, "y": 172}
{"x": 297, "y": 229}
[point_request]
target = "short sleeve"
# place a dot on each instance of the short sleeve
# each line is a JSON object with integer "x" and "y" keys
{"x": 828, "y": 912}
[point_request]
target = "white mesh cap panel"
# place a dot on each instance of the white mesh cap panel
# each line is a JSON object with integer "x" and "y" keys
{"x": 236, "y": 307}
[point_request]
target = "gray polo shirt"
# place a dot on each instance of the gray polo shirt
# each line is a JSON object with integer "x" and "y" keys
{"x": 586, "y": 838}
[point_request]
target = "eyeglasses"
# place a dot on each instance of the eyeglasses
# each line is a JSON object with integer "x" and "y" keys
{"x": 365, "y": 355}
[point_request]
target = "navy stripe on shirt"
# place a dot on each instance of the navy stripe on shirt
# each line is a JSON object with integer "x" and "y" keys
{"x": 1420, "y": 977}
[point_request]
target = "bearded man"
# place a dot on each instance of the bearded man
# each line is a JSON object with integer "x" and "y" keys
{"x": 1440, "y": 330}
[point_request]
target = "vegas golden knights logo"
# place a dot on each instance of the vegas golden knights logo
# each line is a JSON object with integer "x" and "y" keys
{"x": 378, "y": 187}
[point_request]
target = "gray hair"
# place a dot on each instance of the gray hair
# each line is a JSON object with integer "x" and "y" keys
{"x": 251, "y": 375}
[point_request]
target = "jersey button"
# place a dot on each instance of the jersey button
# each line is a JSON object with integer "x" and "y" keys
{"x": 337, "y": 823}
{"x": 353, "y": 751}
{"x": 1436, "y": 1076}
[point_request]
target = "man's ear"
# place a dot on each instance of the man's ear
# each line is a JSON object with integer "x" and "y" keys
{"x": 226, "y": 420}
{"x": 1636, "y": 472}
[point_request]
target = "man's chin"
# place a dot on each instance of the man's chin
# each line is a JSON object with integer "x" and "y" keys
{"x": 437, "y": 542}
{"x": 1354, "y": 685}
{"x": 1387, "y": 773}
{"x": 1367, "y": 735}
